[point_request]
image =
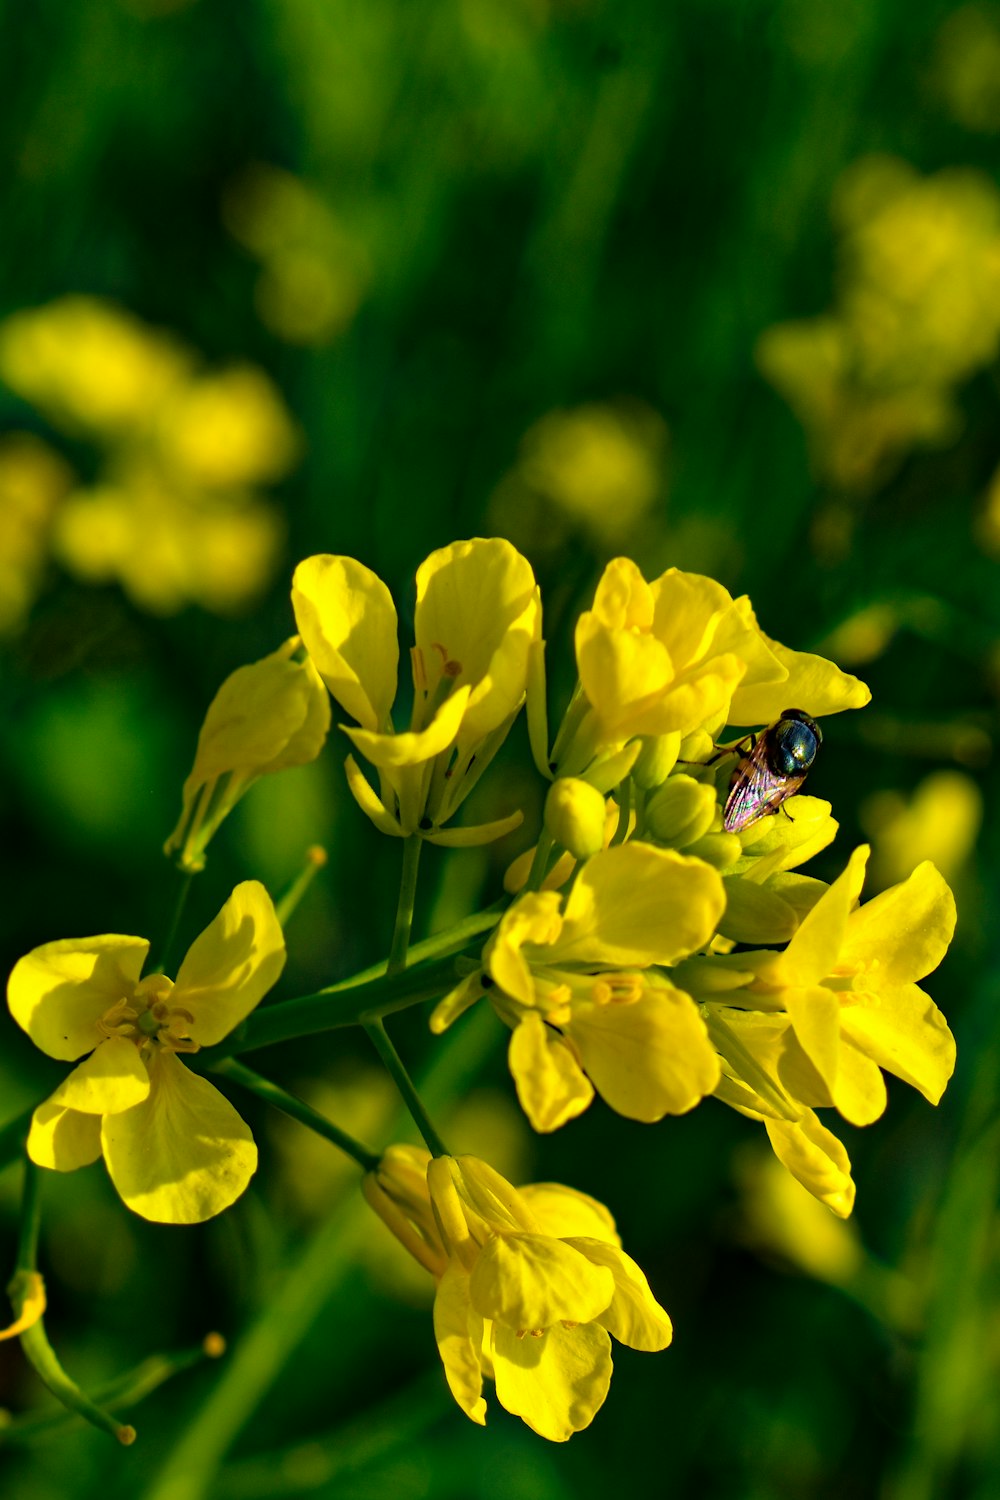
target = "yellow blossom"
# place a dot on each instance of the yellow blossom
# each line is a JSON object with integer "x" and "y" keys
{"x": 230, "y": 429}
{"x": 842, "y": 1002}
{"x": 176, "y": 1149}
{"x": 89, "y": 365}
{"x": 940, "y": 822}
{"x": 779, "y": 1217}
{"x": 572, "y": 976}
{"x": 478, "y": 617}
{"x": 267, "y": 716}
{"x": 677, "y": 655}
{"x": 33, "y": 481}
{"x": 532, "y": 1283}
{"x": 166, "y": 546}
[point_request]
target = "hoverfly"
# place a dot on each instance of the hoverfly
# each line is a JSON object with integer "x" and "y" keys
{"x": 772, "y": 769}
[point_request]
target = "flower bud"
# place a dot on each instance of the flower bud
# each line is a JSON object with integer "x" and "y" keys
{"x": 574, "y": 816}
{"x": 681, "y": 811}
{"x": 657, "y": 759}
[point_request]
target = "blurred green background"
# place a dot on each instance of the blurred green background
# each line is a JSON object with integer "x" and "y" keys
{"x": 367, "y": 278}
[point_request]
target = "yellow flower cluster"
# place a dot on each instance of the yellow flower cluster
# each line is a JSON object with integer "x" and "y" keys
{"x": 918, "y": 312}
{"x": 532, "y": 1284}
{"x": 173, "y": 515}
{"x": 658, "y": 949}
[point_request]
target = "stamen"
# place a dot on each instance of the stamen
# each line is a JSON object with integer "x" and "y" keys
{"x": 617, "y": 989}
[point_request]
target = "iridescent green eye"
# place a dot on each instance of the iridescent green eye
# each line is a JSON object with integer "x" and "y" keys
{"x": 792, "y": 746}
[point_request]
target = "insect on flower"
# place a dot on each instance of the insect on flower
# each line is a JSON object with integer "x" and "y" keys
{"x": 772, "y": 769}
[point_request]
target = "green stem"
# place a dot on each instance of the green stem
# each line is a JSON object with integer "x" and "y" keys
{"x": 125, "y": 1390}
{"x": 272, "y": 1094}
{"x": 312, "y": 1014}
{"x": 34, "y": 1341}
{"x": 13, "y": 1136}
{"x": 169, "y": 942}
{"x": 404, "y": 907}
{"x": 289, "y": 900}
{"x": 191, "y": 1468}
{"x": 539, "y": 865}
{"x": 394, "y": 1065}
{"x": 31, "y": 1219}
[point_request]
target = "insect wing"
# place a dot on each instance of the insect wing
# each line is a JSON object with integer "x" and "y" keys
{"x": 756, "y": 790}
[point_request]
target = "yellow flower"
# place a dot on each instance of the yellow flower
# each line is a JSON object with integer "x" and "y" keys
{"x": 680, "y": 654}
{"x": 177, "y": 1151}
{"x": 267, "y": 716}
{"x": 572, "y": 977}
{"x": 230, "y": 429}
{"x": 531, "y": 1284}
{"x": 478, "y": 617}
{"x": 89, "y": 365}
{"x": 168, "y": 546}
{"x": 842, "y": 1001}
{"x": 33, "y": 480}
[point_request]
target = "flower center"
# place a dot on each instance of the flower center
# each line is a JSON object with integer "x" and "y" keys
{"x": 149, "y": 1020}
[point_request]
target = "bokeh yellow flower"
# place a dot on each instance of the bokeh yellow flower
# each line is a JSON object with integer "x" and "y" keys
{"x": 532, "y": 1283}
{"x": 33, "y": 481}
{"x": 176, "y": 1149}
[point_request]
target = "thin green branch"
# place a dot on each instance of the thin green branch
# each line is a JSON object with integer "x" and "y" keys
{"x": 394, "y": 1065}
{"x": 297, "y": 1109}
{"x": 404, "y": 907}
{"x": 34, "y": 1340}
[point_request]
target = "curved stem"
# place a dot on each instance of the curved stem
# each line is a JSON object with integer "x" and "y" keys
{"x": 297, "y": 1109}
{"x": 394, "y": 1065}
{"x": 34, "y": 1341}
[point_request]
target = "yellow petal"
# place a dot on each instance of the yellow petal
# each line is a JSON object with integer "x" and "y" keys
{"x": 369, "y": 802}
{"x": 551, "y": 1086}
{"x": 232, "y": 965}
{"x": 634, "y": 905}
{"x": 478, "y": 600}
{"x": 813, "y": 684}
{"x": 815, "y": 950}
{"x": 564, "y": 1211}
{"x": 556, "y": 1383}
{"x": 906, "y": 929}
{"x": 474, "y": 835}
{"x": 815, "y": 1014}
{"x": 905, "y": 1033}
{"x": 649, "y": 1058}
{"x": 183, "y": 1154}
{"x": 531, "y": 924}
{"x": 113, "y": 1078}
{"x": 63, "y": 1139}
{"x": 59, "y": 992}
{"x": 392, "y": 752}
{"x": 268, "y": 715}
{"x": 688, "y": 611}
{"x": 634, "y": 1317}
{"x": 532, "y": 1281}
{"x": 27, "y": 1294}
{"x": 346, "y": 617}
{"x": 458, "y": 1329}
{"x": 816, "y": 1158}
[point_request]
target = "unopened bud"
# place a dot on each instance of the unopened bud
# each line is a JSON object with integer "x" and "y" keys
{"x": 657, "y": 759}
{"x": 574, "y": 816}
{"x": 681, "y": 811}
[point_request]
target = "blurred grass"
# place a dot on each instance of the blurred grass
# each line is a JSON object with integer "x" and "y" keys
{"x": 551, "y": 203}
